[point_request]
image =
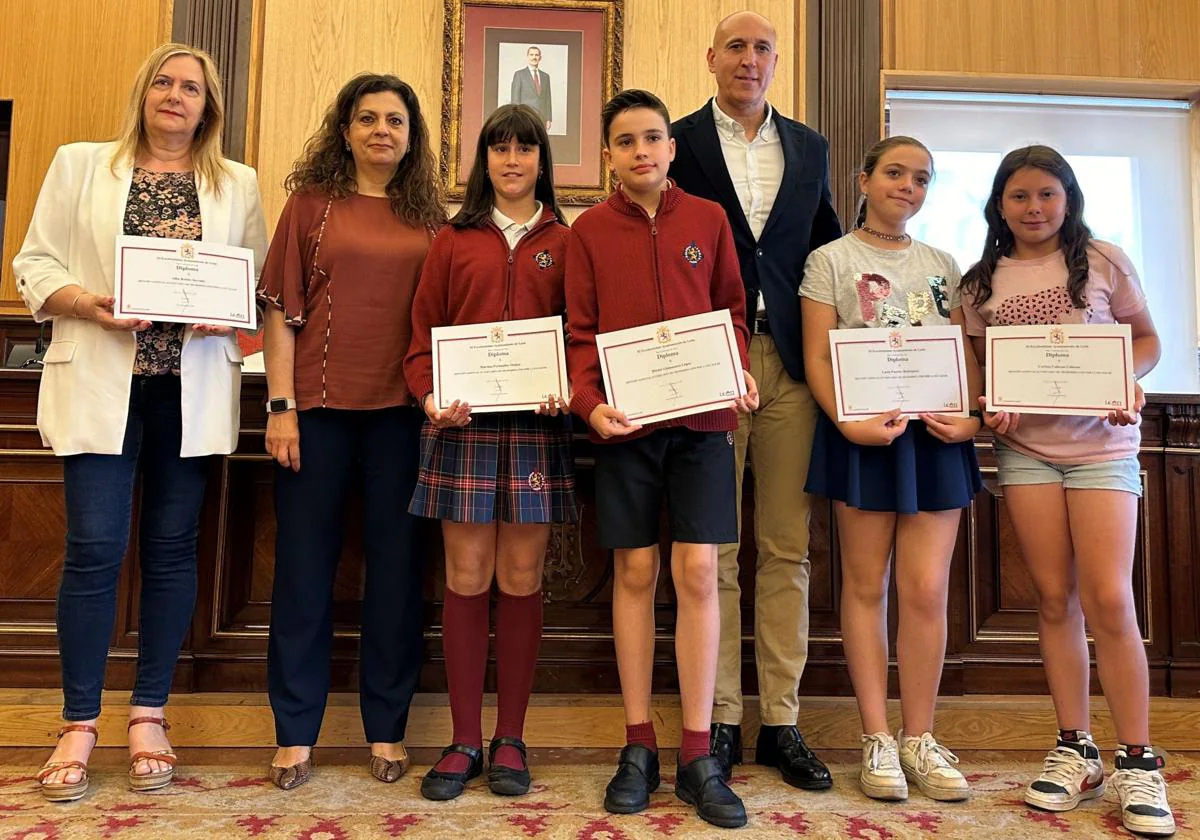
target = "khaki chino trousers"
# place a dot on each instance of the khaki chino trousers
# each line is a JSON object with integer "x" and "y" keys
{"x": 778, "y": 440}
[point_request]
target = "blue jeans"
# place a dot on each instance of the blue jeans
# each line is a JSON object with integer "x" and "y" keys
{"x": 99, "y": 497}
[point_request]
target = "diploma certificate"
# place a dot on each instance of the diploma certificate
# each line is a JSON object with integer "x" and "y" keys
{"x": 502, "y": 366}
{"x": 1082, "y": 369}
{"x": 672, "y": 368}
{"x": 915, "y": 369}
{"x": 184, "y": 281}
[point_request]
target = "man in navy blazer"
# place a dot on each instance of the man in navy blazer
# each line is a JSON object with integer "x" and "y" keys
{"x": 771, "y": 175}
{"x": 531, "y": 86}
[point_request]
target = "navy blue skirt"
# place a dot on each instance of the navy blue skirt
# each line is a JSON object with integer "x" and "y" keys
{"x": 917, "y": 472}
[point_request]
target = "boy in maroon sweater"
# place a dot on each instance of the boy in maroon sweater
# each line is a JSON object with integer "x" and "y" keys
{"x": 652, "y": 253}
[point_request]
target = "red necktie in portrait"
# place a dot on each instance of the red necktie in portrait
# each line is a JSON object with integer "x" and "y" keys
{"x": 537, "y": 83}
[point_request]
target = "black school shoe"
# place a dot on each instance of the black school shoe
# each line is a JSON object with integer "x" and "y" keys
{"x": 700, "y": 785}
{"x": 440, "y": 786}
{"x": 506, "y": 781}
{"x": 783, "y": 747}
{"x": 725, "y": 744}
{"x": 636, "y": 778}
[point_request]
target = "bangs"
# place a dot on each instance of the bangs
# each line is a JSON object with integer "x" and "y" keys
{"x": 512, "y": 122}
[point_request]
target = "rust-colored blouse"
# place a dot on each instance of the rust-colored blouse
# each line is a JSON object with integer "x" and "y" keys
{"x": 344, "y": 273}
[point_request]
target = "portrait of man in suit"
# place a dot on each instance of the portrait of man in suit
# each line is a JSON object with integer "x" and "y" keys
{"x": 531, "y": 86}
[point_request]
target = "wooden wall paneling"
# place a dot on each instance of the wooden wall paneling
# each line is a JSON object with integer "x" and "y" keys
{"x": 76, "y": 90}
{"x": 310, "y": 47}
{"x": 1127, "y": 38}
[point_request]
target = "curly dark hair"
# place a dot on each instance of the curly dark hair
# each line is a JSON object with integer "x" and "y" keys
{"x": 328, "y": 167}
{"x": 1075, "y": 236}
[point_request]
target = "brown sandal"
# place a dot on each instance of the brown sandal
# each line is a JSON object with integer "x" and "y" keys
{"x": 65, "y": 791}
{"x": 288, "y": 778}
{"x": 388, "y": 769}
{"x": 159, "y": 779}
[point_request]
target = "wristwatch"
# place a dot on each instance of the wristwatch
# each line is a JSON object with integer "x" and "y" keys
{"x": 280, "y": 404}
{"x": 975, "y": 412}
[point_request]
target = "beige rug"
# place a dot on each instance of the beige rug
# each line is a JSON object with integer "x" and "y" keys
{"x": 343, "y": 803}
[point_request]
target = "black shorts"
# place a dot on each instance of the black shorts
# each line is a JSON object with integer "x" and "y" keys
{"x": 694, "y": 470}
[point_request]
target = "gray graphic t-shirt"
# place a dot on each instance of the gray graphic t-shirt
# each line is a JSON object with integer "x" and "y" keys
{"x": 874, "y": 287}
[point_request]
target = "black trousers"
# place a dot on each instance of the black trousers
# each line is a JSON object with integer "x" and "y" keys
{"x": 381, "y": 448}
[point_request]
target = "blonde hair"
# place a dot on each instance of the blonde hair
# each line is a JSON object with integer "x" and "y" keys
{"x": 208, "y": 160}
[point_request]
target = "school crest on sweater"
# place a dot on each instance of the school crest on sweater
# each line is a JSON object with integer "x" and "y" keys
{"x": 693, "y": 254}
{"x": 544, "y": 259}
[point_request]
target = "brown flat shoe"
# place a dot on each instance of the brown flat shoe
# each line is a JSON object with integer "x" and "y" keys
{"x": 387, "y": 769}
{"x": 65, "y": 791}
{"x": 159, "y": 779}
{"x": 290, "y": 778}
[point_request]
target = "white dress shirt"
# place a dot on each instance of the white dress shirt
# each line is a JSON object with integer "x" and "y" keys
{"x": 755, "y": 167}
{"x": 513, "y": 231}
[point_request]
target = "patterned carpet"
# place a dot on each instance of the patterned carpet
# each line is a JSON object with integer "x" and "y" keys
{"x": 343, "y": 803}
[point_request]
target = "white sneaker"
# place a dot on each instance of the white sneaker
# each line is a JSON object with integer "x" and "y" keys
{"x": 881, "y": 776}
{"x": 930, "y": 765}
{"x": 1071, "y": 773}
{"x": 1143, "y": 794}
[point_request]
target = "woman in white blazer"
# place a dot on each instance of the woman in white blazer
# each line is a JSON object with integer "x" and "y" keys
{"x": 122, "y": 399}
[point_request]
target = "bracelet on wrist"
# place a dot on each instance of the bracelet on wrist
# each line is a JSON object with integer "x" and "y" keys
{"x": 75, "y": 314}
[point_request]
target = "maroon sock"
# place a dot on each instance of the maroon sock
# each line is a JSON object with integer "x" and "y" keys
{"x": 693, "y": 746}
{"x": 643, "y": 734}
{"x": 465, "y": 646}
{"x": 518, "y": 637}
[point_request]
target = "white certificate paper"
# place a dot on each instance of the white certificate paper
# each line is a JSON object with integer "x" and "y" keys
{"x": 185, "y": 282}
{"x": 1082, "y": 369}
{"x": 915, "y": 369}
{"x": 672, "y": 368}
{"x": 502, "y": 366}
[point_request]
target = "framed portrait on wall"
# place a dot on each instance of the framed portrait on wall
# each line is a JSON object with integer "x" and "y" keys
{"x": 560, "y": 57}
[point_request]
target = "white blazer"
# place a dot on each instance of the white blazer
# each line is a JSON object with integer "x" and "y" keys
{"x": 83, "y": 404}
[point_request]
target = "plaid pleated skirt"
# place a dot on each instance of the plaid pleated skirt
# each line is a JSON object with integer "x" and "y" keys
{"x": 511, "y": 467}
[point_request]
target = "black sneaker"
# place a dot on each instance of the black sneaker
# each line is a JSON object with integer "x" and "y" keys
{"x": 440, "y": 786}
{"x": 505, "y": 781}
{"x": 783, "y": 747}
{"x": 725, "y": 744}
{"x": 636, "y": 778}
{"x": 700, "y": 784}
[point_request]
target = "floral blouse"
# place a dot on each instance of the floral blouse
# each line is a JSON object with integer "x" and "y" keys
{"x": 161, "y": 204}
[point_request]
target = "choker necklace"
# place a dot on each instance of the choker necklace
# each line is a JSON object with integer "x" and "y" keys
{"x": 881, "y": 235}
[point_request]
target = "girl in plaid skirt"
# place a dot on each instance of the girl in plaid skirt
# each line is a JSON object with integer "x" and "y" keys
{"x": 496, "y": 480}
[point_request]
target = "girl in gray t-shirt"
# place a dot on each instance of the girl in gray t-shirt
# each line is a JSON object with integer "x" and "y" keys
{"x": 898, "y": 484}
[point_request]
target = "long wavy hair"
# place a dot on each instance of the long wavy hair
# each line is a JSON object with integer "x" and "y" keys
{"x": 507, "y": 124}
{"x": 871, "y": 161}
{"x": 327, "y": 166}
{"x": 208, "y": 160}
{"x": 1074, "y": 235}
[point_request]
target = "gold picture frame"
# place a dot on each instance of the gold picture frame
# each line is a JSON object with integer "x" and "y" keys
{"x": 489, "y": 44}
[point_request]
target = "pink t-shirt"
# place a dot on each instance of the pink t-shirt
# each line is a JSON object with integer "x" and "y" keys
{"x": 1027, "y": 292}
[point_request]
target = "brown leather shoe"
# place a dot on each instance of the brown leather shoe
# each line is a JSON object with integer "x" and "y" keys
{"x": 65, "y": 791}
{"x": 387, "y": 769}
{"x": 291, "y": 777}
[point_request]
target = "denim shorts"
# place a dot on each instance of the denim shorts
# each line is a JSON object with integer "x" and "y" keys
{"x": 1015, "y": 467}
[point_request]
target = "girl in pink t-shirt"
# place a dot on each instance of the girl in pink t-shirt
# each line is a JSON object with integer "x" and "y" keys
{"x": 1071, "y": 484}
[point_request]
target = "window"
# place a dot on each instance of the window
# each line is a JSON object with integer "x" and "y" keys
{"x": 1133, "y": 163}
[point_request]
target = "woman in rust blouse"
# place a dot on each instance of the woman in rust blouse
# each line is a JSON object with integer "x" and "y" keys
{"x": 338, "y": 285}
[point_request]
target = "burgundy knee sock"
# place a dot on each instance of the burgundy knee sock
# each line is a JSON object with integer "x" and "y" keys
{"x": 643, "y": 734}
{"x": 693, "y": 745}
{"x": 465, "y": 646}
{"x": 518, "y": 637}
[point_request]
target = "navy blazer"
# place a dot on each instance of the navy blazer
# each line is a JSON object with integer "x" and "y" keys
{"x": 802, "y": 218}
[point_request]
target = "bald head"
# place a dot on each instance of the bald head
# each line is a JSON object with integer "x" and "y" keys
{"x": 742, "y": 58}
{"x": 731, "y": 23}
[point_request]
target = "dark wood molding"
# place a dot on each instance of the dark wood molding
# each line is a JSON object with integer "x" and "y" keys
{"x": 992, "y": 623}
{"x": 846, "y": 106}
{"x": 222, "y": 29}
